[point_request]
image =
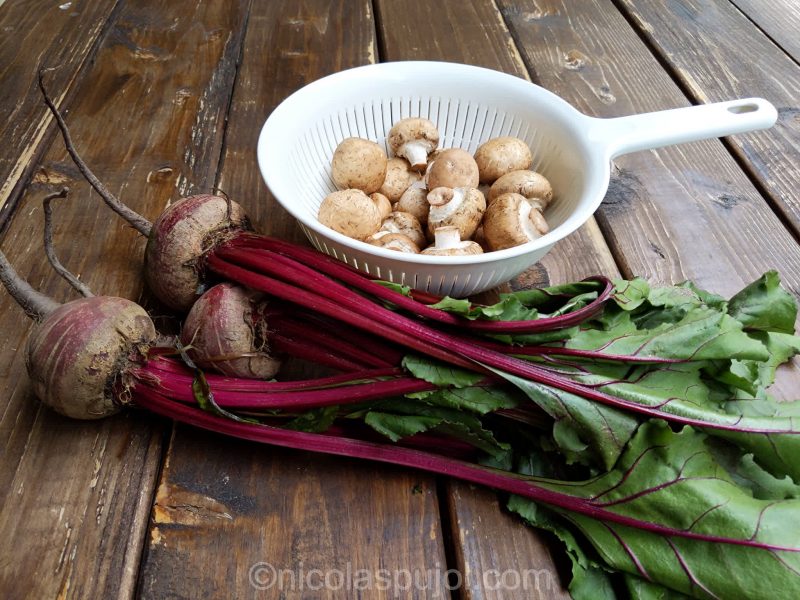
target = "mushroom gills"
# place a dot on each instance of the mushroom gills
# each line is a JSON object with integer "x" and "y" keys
{"x": 532, "y": 221}
{"x": 440, "y": 212}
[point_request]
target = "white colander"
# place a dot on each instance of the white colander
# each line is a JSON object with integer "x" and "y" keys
{"x": 469, "y": 105}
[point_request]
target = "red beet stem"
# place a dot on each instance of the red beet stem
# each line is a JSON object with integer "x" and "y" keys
{"x": 317, "y": 263}
{"x": 313, "y": 353}
{"x": 177, "y": 372}
{"x": 295, "y": 399}
{"x": 295, "y": 329}
{"x": 349, "y": 307}
{"x": 387, "y": 352}
{"x": 411, "y": 336}
{"x": 528, "y": 487}
{"x": 560, "y": 351}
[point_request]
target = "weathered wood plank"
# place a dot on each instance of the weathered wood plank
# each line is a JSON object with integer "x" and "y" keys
{"x": 37, "y": 33}
{"x": 695, "y": 39}
{"x": 779, "y": 19}
{"x": 681, "y": 212}
{"x": 488, "y": 542}
{"x": 305, "y": 516}
{"x": 76, "y": 496}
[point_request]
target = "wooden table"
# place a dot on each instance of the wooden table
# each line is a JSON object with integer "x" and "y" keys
{"x": 167, "y": 98}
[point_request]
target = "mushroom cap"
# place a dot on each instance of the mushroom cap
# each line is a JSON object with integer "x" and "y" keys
{"x": 399, "y": 177}
{"x": 453, "y": 168}
{"x": 413, "y": 138}
{"x": 382, "y": 203}
{"x": 405, "y": 224}
{"x": 511, "y": 221}
{"x": 415, "y": 201}
{"x": 393, "y": 241}
{"x": 465, "y": 248}
{"x": 359, "y": 164}
{"x": 351, "y": 213}
{"x": 502, "y": 155}
{"x": 534, "y": 186}
{"x": 460, "y": 207}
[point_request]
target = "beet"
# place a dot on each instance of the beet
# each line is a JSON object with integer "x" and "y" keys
{"x": 80, "y": 352}
{"x": 177, "y": 241}
{"x": 226, "y": 331}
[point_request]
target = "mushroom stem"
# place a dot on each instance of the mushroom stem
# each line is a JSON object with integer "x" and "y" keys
{"x": 446, "y": 237}
{"x": 416, "y": 153}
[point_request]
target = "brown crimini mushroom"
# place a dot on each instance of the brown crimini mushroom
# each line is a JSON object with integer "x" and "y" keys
{"x": 383, "y": 204}
{"x": 359, "y": 164}
{"x": 406, "y": 224}
{"x": 399, "y": 177}
{"x": 502, "y": 155}
{"x": 413, "y": 138}
{"x": 448, "y": 243}
{"x": 530, "y": 184}
{"x": 511, "y": 220}
{"x": 452, "y": 168}
{"x": 460, "y": 207}
{"x": 393, "y": 241}
{"x": 351, "y": 213}
{"x": 415, "y": 201}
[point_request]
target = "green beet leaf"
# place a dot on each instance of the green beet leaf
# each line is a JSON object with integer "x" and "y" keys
{"x": 765, "y": 306}
{"x": 673, "y": 480}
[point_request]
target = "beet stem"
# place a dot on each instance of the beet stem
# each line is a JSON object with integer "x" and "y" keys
{"x": 134, "y": 219}
{"x": 314, "y": 260}
{"x": 296, "y": 399}
{"x": 392, "y": 454}
{"x": 49, "y": 246}
{"x": 342, "y": 303}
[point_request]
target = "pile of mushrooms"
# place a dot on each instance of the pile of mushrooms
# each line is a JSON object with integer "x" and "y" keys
{"x": 429, "y": 200}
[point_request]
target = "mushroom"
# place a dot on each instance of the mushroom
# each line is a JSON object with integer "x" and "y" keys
{"x": 413, "y": 139}
{"x": 502, "y": 155}
{"x": 461, "y": 207}
{"x": 479, "y": 238}
{"x": 350, "y": 212}
{"x": 393, "y": 241}
{"x": 398, "y": 177}
{"x": 360, "y": 164}
{"x": 530, "y": 184}
{"x": 406, "y": 224}
{"x": 511, "y": 220}
{"x": 448, "y": 243}
{"x": 415, "y": 201}
{"x": 452, "y": 168}
{"x": 382, "y": 203}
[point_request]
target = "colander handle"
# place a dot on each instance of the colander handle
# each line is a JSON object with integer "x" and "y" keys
{"x": 653, "y": 130}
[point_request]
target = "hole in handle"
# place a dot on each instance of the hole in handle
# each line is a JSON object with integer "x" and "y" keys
{"x": 743, "y": 108}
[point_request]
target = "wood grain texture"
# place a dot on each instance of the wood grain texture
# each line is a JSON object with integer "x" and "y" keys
{"x": 287, "y": 520}
{"x": 680, "y": 212}
{"x": 37, "y": 33}
{"x": 487, "y": 542}
{"x": 296, "y": 512}
{"x": 779, "y": 19}
{"x": 694, "y": 38}
{"x": 76, "y": 496}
